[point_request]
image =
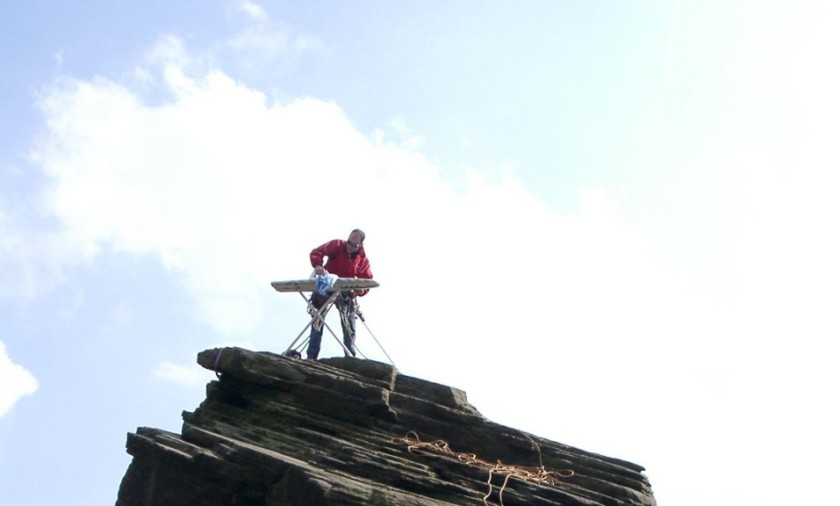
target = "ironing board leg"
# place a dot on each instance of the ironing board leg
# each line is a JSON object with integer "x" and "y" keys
{"x": 319, "y": 315}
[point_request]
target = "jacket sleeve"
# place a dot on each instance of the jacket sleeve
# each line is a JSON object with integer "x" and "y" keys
{"x": 364, "y": 272}
{"x": 328, "y": 249}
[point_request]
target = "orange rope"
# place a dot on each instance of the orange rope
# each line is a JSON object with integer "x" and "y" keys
{"x": 440, "y": 449}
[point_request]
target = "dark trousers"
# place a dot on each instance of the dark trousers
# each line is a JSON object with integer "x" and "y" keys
{"x": 345, "y": 306}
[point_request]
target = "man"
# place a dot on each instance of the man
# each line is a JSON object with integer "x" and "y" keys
{"x": 345, "y": 259}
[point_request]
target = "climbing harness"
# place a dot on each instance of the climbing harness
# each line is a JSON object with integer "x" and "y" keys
{"x": 440, "y": 449}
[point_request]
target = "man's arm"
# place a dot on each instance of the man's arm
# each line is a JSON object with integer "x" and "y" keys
{"x": 364, "y": 269}
{"x": 364, "y": 272}
{"x": 328, "y": 249}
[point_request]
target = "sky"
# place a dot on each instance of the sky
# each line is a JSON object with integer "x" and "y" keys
{"x": 613, "y": 224}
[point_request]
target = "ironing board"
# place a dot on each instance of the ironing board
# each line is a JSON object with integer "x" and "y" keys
{"x": 308, "y": 285}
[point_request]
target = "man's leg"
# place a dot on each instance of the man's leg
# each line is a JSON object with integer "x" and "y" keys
{"x": 317, "y": 329}
{"x": 350, "y": 334}
{"x": 314, "y": 343}
{"x": 348, "y": 323}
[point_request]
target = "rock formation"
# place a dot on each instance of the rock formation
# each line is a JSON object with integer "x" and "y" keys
{"x": 277, "y": 431}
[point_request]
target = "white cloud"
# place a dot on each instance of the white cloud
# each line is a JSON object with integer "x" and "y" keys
{"x": 407, "y": 139}
{"x": 253, "y": 10}
{"x": 189, "y": 375}
{"x": 233, "y": 191}
{"x": 12, "y": 278}
{"x": 15, "y": 382}
{"x": 30, "y": 259}
{"x": 265, "y": 42}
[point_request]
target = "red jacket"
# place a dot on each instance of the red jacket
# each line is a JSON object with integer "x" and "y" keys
{"x": 340, "y": 263}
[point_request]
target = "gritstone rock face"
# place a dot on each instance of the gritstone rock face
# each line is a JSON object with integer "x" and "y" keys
{"x": 277, "y": 431}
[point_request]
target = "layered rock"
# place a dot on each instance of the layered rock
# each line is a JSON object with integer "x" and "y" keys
{"x": 277, "y": 431}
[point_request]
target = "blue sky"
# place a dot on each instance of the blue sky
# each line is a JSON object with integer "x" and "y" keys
{"x": 613, "y": 224}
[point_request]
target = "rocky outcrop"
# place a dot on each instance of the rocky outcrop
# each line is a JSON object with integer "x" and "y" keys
{"x": 277, "y": 431}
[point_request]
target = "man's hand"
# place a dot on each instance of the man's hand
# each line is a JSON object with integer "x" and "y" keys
{"x": 320, "y": 270}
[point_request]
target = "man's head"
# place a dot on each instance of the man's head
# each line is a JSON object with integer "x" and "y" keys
{"x": 355, "y": 241}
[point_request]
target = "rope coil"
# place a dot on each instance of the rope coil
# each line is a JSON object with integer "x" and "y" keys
{"x": 440, "y": 449}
